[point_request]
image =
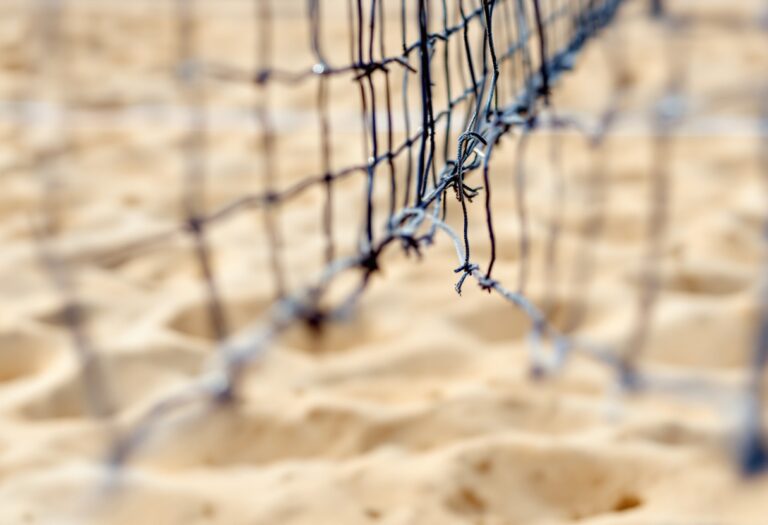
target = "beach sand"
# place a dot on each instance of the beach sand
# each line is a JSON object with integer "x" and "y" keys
{"x": 421, "y": 408}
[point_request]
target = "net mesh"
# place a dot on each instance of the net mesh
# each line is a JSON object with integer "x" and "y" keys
{"x": 409, "y": 112}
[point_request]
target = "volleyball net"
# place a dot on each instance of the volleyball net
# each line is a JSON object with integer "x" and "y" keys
{"x": 393, "y": 122}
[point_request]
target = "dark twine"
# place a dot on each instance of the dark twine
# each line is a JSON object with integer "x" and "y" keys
{"x": 495, "y": 81}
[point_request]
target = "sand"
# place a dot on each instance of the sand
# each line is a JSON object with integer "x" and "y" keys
{"x": 421, "y": 408}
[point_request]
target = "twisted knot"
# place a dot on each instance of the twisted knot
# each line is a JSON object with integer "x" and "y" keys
{"x": 487, "y": 284}
{"x": 466, "y": 270}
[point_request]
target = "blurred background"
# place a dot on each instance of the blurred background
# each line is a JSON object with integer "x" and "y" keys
{"x": 232, "y": 234}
